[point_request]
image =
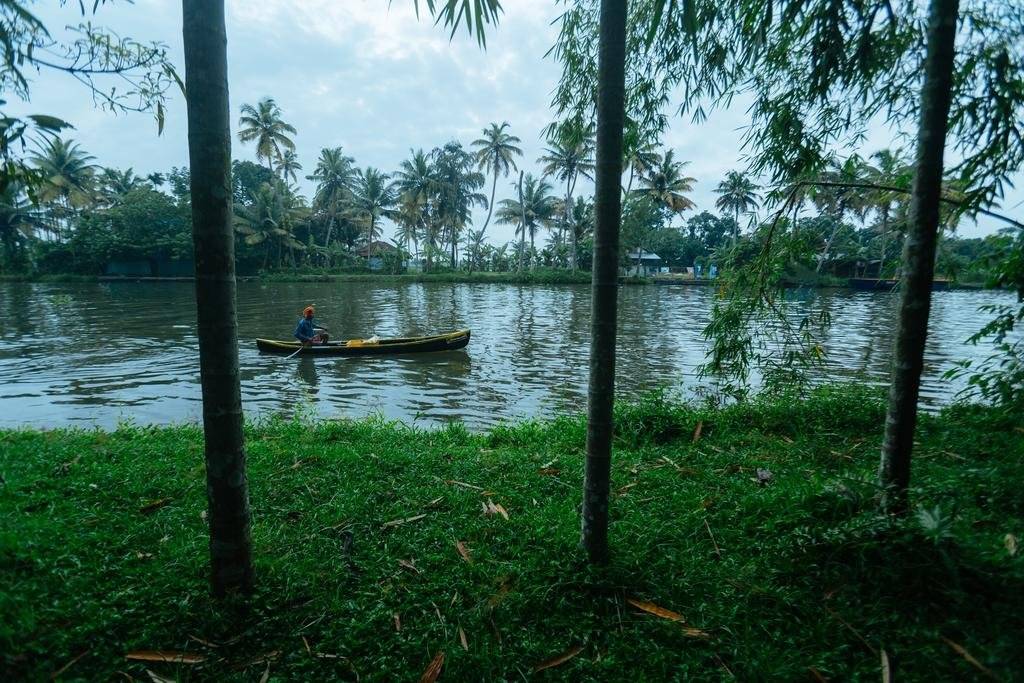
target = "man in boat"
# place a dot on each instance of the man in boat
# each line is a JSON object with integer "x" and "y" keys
{"x": 307, "y": 332}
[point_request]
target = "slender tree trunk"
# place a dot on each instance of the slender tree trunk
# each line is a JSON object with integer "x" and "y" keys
{"x": 918, "y": 258}
{"x": 568, "y": 222}
{"x": 490, "y": 205}
{"x": 522, "y": 222}
{"x": 608, "y": 212}
{"x": 209, "y": 144}
{"x": 885, "y": 234}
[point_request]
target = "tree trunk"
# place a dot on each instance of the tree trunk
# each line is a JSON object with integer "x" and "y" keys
{"x": 918, "y": 258}
{"x": 568, "y": 224}
{"x": 522, "y": 222}
{"x": 885, "y": 233}
{"x": 209, "y": 145}
{"x": 490, "y": 205}
{"x": 608, "y": 212}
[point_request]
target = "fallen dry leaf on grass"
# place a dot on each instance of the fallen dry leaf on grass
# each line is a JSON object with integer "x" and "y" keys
{"x": 462, "y": 639}
{"x": 409, "y": 565}
{"x": 696, "y": 432}
{"x": 434, "y": 670}
{"x": 201, "y": 641}
{"x": 396, "y": 522}
{"x": 491, "y": 509}
{"x": 549, "y": 471}
{"x": 657, "y": 611}
{"x": 559, "y": 660}
{"x": 157, "y": 678}
{"x": 693, "y": 632}
{"x": 154, "y": 505}
{"x": 455, "y": 482}
{"x": 461, "y": 547}
{"x": 962, "y": 651}
{"x": 886, "y": 668}
{"x": 169, "y": 656}
{"x": 56, "y": 674}
{"x": 1010, "y": 541}
{"x": 398, "y": 622}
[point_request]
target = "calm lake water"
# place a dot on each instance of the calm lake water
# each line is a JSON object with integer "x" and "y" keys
{"x": 97, "y": 353}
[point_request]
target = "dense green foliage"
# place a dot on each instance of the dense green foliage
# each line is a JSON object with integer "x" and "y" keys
{"x": 84, "y": 218}
{"x": 762, "y": 525}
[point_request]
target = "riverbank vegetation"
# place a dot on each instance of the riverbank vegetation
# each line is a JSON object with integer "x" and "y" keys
{"x": 382, "y": 546}
{"x": 89, "y": 220}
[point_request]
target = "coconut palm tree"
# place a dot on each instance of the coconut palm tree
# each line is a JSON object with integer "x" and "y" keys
{"x": 455, "y": 191}
{"x": 569, "y": 157}
{"x": 288, "y": 165}
{"x": 535, "y": 211}
{"x": 67, "y": 180}
{"x": 373, "y": 199}
{"x": 416, "y": 186}
{"x": 335, "y": 176}
{"x": 639, "y": 155}
{"x": 270, "y": 219}
{"x": 665, "y": 183}
{"x": 737, "y": 194}
{"x": 263, "y": 125}
{"x": 495, "y": 155}
{"x": 209, "y": 147}
{"x": 837, "y": 201}
{"x": 891, "y": 170}
{"x": 114, "y": 184}
{"x": 19, "y": 221}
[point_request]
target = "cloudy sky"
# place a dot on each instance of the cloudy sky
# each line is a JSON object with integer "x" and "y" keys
{"x": 371, "y": 79}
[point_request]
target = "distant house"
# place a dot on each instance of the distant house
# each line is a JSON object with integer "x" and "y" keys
{"x": 644, "y": 264}
{"x": 374, "y": 253}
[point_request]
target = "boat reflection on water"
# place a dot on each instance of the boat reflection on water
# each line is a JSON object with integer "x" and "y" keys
{"x": 432, "y": 384}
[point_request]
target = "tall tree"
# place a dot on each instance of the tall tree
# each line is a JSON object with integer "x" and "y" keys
{"x": 639, "y": 153}
{"x": 919, "y": 256}
{"x": 455, "y": 191}
{"x": 667, "y": 185}
{"x": 263, "y": 125}
{"x": 209, "y": 146}
{"x": 417, "y": 188}
{"x": 611, "y": 87}
{"x": 737, "y": 194}
{"x": 495, "y": 154}
{"x": 66, "y": 175}
{"x": 270, "y": 220}
{"x": 534, "y": 210}
{"x": 288, "y": 165}
{"x": 19, "y": 221}
{"x": 889, "y": 170}
{"x": 570, "y": 156}
{"x": 335, "y": 176}
{"x": 373, "y": 199}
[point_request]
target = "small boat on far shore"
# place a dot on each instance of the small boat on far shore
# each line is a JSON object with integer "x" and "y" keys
{"x": 370, "y": 347}
{"x": 874, "y": 284}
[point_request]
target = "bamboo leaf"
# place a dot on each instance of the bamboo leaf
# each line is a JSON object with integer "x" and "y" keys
{"x": 962, "y": 651}
{"x": 559, "y": 659}
{"x": 461, "y": 547}
{"x": 167, "y": 656}
{"x": 657, "y": 611}
{"x": 462, "y": 639}
{"x": 434, "y": 669}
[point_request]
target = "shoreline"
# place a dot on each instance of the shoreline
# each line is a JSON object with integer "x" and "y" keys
{"x": 545, "y": 277}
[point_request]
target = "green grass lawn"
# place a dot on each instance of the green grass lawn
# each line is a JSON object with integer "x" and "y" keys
{"x": 357, "y": 530}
